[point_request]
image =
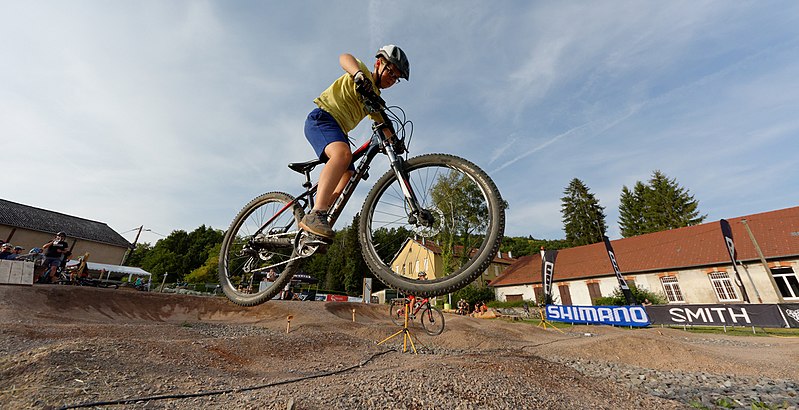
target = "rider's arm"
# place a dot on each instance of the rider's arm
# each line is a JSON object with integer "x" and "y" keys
{"x": 349, "y": 63}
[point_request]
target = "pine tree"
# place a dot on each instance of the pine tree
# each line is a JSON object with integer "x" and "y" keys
{"x": 631, "y": 210}
{"x": 660, "y": 205}
{"x": 583, "y": 217}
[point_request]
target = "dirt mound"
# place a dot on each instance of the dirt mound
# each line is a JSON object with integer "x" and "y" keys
{"x": 91, "y": 344}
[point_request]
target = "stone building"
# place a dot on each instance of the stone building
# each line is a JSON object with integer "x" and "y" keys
{"x": 688, "y": 265}
{"x": 31, "y": 227}
{"x": 416, "y": 256}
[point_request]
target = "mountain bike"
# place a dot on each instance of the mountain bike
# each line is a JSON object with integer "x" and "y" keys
{"x": 439, "y": 205}
{"x": 431, "y": 318}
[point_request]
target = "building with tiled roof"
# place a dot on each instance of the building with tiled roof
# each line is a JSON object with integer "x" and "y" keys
{"x": 416, "y": 256}
{"x": 31, "y": 227}
{"x": 687, "y": 265}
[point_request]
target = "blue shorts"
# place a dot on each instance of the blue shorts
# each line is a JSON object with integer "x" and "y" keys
{"x": 50, "y": 262}
{"x": 321, "y": 129}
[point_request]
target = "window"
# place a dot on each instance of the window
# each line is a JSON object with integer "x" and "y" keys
{"x": 593, "y": 291}
{"x": 565, "y": 296}
{"x": 723, "y": 286}
{"x": 672, "y": 289}
{"x": 786, "y": 282}
{"x": 513, "y": 298}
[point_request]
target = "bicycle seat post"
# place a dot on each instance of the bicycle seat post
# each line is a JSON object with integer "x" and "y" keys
{"x": 307, "y": 185}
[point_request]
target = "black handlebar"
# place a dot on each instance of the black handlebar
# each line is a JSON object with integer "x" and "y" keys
{"x": 375, "y": 103}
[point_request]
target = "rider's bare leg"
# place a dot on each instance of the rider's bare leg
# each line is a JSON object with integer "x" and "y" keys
{"x": 334, "y": 175}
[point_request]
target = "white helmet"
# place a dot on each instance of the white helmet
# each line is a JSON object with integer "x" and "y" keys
{"x": 396, "y": 56}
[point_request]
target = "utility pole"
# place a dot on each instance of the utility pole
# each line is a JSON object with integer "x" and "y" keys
{"x": 763, "y": 261}
{"x": 133, "y": 247}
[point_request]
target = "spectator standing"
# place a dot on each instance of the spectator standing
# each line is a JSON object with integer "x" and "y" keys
{"x": 5, "y": 250}
{"x": 53, "y": 256}
{"x": 16, "y": 253}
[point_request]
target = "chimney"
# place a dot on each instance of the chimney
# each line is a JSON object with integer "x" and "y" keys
{"x": 499, "y": 254}
{"x": 510, "y": 255}
{"x": 542, "y": 252}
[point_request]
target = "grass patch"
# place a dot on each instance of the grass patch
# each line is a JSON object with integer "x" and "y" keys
{"x": 740, "y": 331}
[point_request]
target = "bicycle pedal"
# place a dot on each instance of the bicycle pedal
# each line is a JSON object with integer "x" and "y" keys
{"x": 313, "y": 239}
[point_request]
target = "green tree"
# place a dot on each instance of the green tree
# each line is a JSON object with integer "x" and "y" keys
{"x": 355, "y": 267}
{"x": 583, "y": 217}
{"x": 465, "y": 214}
{"x": 660, "y": 205}
{"x": 207, "y": 273}
{"x": 520, "y": 246}
{"x": 640, "y": 295}
{"x": 473, "y": 293}
{"x": 631, "y": 210}
{"x": 178, "y": 254}
{"x": 138, "y": 254}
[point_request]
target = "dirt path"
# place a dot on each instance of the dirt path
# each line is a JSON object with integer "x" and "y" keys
{"x": 62, "y": 346}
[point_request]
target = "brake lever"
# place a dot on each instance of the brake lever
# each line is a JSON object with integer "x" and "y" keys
{"x": 372, "y": 101}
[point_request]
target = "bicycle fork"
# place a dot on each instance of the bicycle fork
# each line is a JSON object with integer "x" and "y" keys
{"x": 417, "y": 214}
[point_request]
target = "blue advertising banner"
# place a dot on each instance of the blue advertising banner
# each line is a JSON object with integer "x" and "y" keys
{"x": 603, "y": 315}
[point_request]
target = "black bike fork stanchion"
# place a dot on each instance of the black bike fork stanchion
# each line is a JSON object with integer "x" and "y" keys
{"x": 406, "y": 334}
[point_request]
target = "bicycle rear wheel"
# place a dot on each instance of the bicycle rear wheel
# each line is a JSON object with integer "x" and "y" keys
{"x": 396, "y": 310}
{"x": 432, "y": 321}
{"x": 260, "y": 238}
{"x": 454, "y": 238}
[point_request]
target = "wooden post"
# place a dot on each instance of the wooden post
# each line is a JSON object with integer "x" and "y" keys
{"x": 288, "y": 323}
{"x": 353, "y": 315}
{"x": 162, "y": 283}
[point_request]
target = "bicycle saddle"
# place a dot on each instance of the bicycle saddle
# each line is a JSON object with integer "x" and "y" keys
{"x": 306, "y": 166}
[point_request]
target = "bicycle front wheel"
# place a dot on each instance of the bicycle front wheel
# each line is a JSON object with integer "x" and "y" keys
{"x": 258, "y": 258}
{"x": 432, "y": 321}
{"x": 452, "y": 239}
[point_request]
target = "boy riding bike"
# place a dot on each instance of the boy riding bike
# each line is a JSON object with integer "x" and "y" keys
{"x": 340, "y": 109}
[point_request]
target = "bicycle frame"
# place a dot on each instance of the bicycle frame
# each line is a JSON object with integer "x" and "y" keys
{"x": 412, "y": 301}
{"x": 382, "y": 134}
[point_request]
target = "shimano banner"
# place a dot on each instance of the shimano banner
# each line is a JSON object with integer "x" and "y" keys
{"x": 717, "y": 315}
{"x": 603, "y": 315}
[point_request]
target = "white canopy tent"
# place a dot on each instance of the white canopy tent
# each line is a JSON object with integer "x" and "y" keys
{"x": 131, "y": 271}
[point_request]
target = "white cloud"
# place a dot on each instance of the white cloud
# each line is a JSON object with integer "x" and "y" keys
{"x": 174, "y": 115}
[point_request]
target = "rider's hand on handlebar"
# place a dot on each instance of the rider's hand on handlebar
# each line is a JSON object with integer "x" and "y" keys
{"x": 362, "y": 84}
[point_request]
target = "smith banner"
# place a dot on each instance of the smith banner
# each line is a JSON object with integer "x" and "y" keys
{"x": 791, "y": 313}
{"x": 602, "y": 315}
{"x": 717, "y": 315}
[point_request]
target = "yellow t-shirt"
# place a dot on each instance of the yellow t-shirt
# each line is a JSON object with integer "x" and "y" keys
{"x": 344, "y": 103}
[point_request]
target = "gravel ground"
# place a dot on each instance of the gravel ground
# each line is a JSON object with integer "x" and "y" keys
{"x": 69, "y": 347}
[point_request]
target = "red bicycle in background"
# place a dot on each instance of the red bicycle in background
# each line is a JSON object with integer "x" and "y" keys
{"x": 431, "y": 318}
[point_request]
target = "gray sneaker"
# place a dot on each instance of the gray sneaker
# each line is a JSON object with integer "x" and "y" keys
{"x": 315, "y": 222}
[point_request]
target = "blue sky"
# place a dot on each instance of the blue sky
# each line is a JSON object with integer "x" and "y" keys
{"x": 175, "y": 114}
